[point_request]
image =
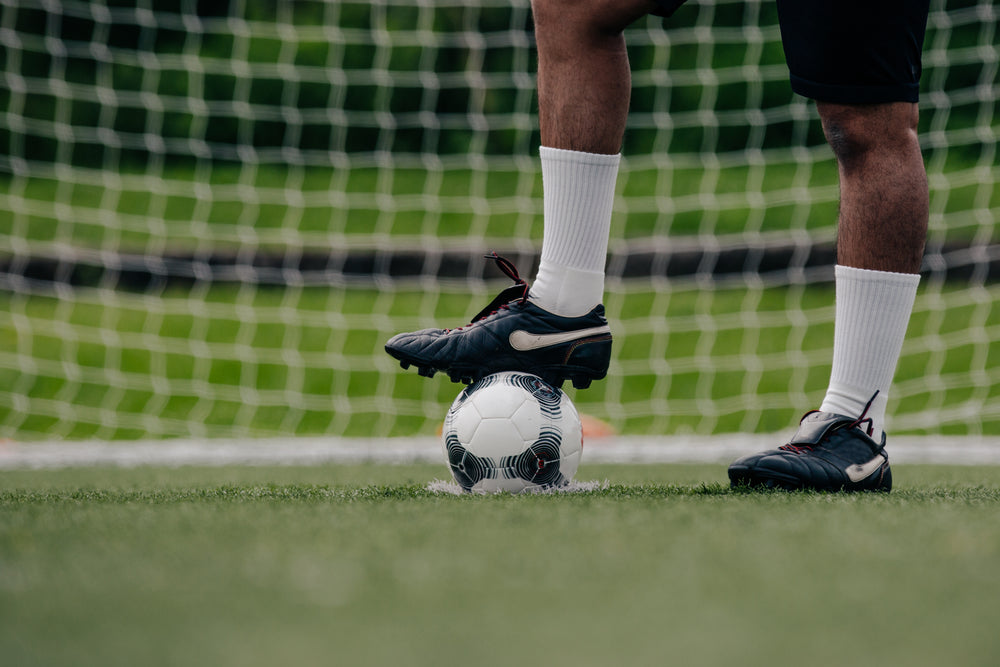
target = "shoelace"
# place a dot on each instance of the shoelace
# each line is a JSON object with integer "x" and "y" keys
{"x": 863, "y": 419}
{"x": 516, "y": 292}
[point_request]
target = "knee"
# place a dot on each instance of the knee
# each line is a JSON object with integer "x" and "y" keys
{"x": 855, "y": 131}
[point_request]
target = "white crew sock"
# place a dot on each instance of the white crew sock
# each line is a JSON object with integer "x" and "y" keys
{"x": 873, "y": 310}
{"x": 578, "y": 196}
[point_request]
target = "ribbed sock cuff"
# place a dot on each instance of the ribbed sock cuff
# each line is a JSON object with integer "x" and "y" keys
{"x": 872, "y": 313}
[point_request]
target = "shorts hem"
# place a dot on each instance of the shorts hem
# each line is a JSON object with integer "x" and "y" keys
{"x": 667, "y": 7}
{"x": 856, "y": 94}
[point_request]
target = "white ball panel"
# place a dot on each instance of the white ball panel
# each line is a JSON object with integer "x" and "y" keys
{"x": 528, "y": 419}
{"x": 496, "y": 438}
{"x": 569, "y": 464}
{"x": 499, "y": 400}
{"x": 501, "y": 484}
{"x": 572, "y": 427}
{"x": 465, "y": 422}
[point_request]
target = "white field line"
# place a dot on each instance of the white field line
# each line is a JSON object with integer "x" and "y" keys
{"x": 315, "y": 451}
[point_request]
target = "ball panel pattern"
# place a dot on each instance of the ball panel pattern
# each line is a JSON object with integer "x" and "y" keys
{"x": 467, "y": 468}
{"x": 512, "y": 432}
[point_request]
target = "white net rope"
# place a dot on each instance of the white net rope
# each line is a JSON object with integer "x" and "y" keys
{"x": 213, "y": 215}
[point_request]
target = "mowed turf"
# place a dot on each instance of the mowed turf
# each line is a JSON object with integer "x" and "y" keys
{"x": 363, "y": 565}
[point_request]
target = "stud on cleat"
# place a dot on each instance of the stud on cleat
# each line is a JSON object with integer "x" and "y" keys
{"x": 404, "y": 365}
{"x": 425, "y": 371}
{"x": 553, "y": 380}
{"x": 581, "y": 383}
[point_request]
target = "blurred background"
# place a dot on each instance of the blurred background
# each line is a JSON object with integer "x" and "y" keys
{"x": 214, "y": 214}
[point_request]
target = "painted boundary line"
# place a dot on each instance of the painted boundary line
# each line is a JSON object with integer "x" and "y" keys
{"x": 317, "y": 451}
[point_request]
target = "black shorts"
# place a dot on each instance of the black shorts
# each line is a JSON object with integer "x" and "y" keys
{"x": 850, "y": 51}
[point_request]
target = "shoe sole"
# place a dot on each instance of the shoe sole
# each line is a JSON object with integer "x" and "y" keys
{"x": 740, "y": 477}
{"x": 580, "y": 377}
{"x": 554, "y": 374}
{"x": 747, "y": 478}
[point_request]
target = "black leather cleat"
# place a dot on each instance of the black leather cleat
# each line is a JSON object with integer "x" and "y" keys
{"x": 829, "y": 452}
{"x": 512, "y": 334}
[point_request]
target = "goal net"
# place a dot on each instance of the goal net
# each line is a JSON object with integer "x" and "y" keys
{"x": 213, "y": 215}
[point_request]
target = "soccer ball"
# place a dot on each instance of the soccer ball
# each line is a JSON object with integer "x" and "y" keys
{"x": 512, "y": 432}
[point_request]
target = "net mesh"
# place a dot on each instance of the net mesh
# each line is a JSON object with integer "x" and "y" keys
{"x": 213, "y": 215}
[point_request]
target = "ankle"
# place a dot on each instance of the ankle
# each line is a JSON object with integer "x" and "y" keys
{"x": 566, "y": 291}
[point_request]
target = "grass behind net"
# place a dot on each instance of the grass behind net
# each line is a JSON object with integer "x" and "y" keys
{"x": 245, "y": 361}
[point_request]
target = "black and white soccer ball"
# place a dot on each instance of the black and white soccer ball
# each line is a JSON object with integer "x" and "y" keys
{"x": 512, "y": 432}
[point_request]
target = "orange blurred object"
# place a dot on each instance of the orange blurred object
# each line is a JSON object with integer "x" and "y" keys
{"x": 595, "y": 428}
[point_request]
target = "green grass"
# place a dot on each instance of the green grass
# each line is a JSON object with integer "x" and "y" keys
{"x": 361, "y": 565}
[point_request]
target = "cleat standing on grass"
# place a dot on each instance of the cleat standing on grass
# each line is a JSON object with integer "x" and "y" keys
{"x": 512, "y": 334}
{"x": 829, "y": 452}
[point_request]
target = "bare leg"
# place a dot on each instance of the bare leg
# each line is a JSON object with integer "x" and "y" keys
{"x": 880, "y": 241}
{"x": 883, "y": 185}
{"x": 584, "y": 80}
{"x": 584, "y": 85}
{"x": 881, "y": 234}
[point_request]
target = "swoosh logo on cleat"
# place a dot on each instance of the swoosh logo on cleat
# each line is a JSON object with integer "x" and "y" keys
{"x": 859, "y": 471}
{"x": 523, "y": 340}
